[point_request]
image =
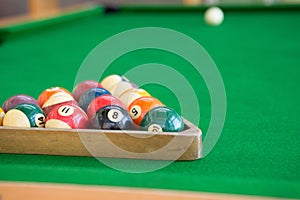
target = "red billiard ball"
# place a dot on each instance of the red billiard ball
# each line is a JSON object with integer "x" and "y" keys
{"x": 67, "y": 116}
{"x": 82, "y": 87}
{"x": 100, "y": 102}
{"x": 58, "y": 99}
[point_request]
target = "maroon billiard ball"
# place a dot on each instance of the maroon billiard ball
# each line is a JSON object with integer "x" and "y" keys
{"x": 16, "y": 100}
{"x": 67, "y": 116}
{"x": 82, "y": 87}
{"x": 58, "y": 99}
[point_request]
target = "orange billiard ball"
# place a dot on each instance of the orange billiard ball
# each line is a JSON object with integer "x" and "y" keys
{"x": 141, "y": 106}
{"x": 46, "y": 94}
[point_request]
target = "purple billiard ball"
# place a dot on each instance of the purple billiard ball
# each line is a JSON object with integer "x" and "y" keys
{"x": 16, "y": 100}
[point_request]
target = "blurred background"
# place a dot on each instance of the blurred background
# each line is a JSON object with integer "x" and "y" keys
{"x": 22, "y": 7}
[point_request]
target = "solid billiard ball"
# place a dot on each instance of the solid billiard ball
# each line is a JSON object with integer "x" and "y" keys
{"x": 58, "y": 99}
{"x": 67, "y": 116}
{"x": 214, "y": 16}
{"x": 2, "y": 114}
{"x": 162, "y": 119}
{"x": 24, "y": 115}
{"x": 139, "y": 107}
{"x": 90, "y": 95}
{"x": 112, "y": 118}
{"x": 82, "y": 87}
{"x": 111, "y": 81}
{"x": 17, "y": 99}
{"x": 46, "y": 94}
{"x": 102, "y": 101}
{"x": 122, "y": 87}
{"x": 130, "y": 95}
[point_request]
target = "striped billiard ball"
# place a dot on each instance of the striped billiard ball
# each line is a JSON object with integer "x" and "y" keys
{"x": 141, "y": 106}
{"x": 162, "y": 119}
{"x": 67, "y": 116}
{"x": 24, "y": 115}
{"x": 111, "y": 81}
{"x": 46, "y": 94}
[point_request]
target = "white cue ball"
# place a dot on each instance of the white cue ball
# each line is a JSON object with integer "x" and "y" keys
{"x": 214, "y": 16}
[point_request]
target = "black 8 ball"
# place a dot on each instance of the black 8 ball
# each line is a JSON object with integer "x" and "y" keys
{"x": 112, "y": 117}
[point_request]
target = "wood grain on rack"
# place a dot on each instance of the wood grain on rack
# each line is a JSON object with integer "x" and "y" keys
{"x": 185, "y": 145}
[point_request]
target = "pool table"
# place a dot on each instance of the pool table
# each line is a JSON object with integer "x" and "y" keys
{"x": 257, "y": 52}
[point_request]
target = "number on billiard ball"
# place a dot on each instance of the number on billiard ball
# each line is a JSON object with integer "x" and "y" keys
{"x": 102, "y": 101}
{"x": 162, "y": 119}
{"x": 59, "y": 98}
{"x": 139, "y": 107}
{"x": 112, "y": 117}
{"x": 67, "y": 116}
{"x": 24, "y": 115}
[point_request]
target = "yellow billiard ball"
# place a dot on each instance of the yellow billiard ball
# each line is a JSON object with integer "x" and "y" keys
{"x": 2, "y": 114}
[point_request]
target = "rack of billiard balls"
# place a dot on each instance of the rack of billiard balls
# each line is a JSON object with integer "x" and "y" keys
{"x": 114, "y": 104}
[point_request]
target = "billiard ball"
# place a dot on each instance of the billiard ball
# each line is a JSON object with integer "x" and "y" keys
{"x": 162, "y": 119}
{"x": 102, "y": 101}
{"x": 139, "y": 107}
{"x": 130, "y": 95}
{"x": 24, "y": 115}
{"x": 67, "y": 116}
{"x": 111, "y": 81}
{"x": 192, "y": 2}
{"x": 82, "y": 87}
{"x": 90, "y": 95}
{"x": 58, "y": 99}
{"x": 17, "y": 99}
{"x": 123, "y": 86}
{"x": 214, "y": 16}
{"x": 112, "y": 118}
{"x": 2, "y": 114}
{"x": 46, "y": 94}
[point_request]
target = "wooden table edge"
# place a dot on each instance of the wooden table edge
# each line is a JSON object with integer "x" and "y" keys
{"x": 51, "y": 191}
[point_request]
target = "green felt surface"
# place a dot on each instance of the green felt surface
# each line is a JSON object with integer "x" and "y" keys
{"x": 257, "y": 53}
